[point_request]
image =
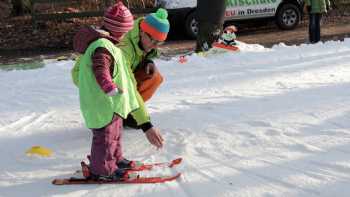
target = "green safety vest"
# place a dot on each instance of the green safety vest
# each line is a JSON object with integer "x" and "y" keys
{"x": 96, "y": 106}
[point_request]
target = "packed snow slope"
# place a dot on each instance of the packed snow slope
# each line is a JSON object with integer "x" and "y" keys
{"x": 265, "y": 122}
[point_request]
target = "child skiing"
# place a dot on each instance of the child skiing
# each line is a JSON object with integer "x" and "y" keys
{"x": 107, "y": 90}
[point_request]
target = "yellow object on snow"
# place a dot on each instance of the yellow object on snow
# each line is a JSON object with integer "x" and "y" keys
{"x": 39, "y": 150}
{"x": 61, "y": 58}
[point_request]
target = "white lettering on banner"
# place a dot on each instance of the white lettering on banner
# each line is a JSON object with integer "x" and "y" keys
{"x": 258, "y": 11}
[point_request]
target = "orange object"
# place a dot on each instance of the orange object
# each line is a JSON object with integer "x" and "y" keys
{"x": 147, "y": 84}
{"x": 227, "y": 47}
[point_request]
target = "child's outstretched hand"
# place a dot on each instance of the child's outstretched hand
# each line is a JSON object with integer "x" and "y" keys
{"x": 154, "y": 137}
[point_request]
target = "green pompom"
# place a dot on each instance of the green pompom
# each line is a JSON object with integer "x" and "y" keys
{"x": 162, "y": 13}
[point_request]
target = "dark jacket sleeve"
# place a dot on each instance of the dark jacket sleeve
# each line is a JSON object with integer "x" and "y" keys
{"x": 102, "y": 62}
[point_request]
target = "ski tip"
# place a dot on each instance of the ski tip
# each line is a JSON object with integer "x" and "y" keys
{"x": 176, "y": 176}
{"x": 177, "y": 161}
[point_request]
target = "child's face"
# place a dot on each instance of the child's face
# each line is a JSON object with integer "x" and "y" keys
{"x": 228, "y": 35}
{"x": 148, "y": 43}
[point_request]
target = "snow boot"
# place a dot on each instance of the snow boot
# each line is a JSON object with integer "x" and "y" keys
{"x": 118, "y": 175}
{"x": 127, "y": 164}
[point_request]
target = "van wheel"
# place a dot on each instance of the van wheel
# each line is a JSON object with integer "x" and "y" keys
{"x": 191, "y": 26}
{"x": 288, "y": 16}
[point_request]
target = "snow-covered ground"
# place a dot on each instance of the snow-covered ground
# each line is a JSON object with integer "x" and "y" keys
{"x": 261, "y": 122}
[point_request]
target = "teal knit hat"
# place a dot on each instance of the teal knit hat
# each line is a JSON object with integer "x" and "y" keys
{"x": 156, "y": 24}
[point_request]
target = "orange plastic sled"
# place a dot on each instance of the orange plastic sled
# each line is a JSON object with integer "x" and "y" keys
{"x": 227, "y": 47}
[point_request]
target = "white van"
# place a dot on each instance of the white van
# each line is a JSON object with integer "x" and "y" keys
{"x": 286, "y": 13}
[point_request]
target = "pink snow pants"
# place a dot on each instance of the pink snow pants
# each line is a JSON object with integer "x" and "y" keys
{"x": 106, "y": 148}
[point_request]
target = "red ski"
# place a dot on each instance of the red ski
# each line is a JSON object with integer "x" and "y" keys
{"x": 150, "y": 166}
{"x": 134, "y": 180}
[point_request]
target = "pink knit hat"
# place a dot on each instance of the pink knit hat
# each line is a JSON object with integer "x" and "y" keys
{"x": 118, "y": 20}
